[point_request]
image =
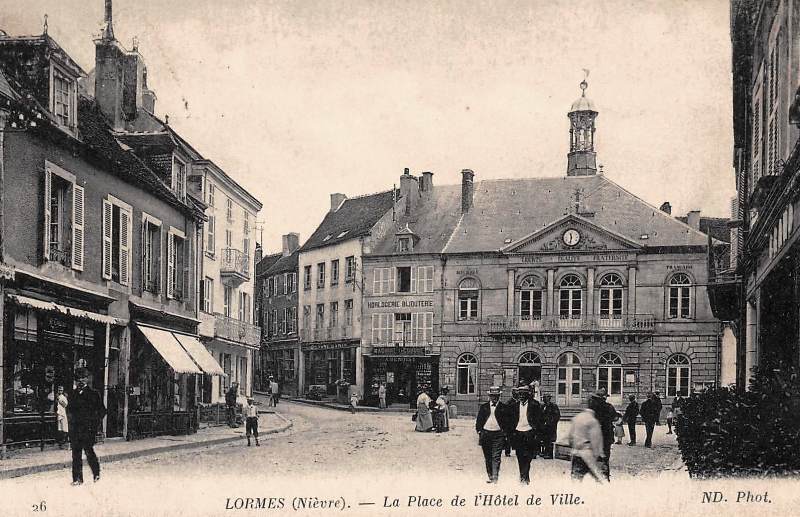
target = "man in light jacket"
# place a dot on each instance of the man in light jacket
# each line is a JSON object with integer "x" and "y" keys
{"x": 586, "y": 440}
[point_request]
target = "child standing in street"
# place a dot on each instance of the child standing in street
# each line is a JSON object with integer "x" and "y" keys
{"x": 619, "y": 429}
{"x": 353, "y": 402}
{"x": 251, "y": 424}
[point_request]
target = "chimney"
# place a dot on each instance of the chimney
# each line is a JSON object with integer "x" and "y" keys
{"x": 148, "y": 96}
{"x": 291, "y": 241}
{"x": 120, "y": 77}
{"x": 409, "y": 190}
{"x": 336, "y": 201}
{"x": 666, "y": 208}
{"x": 467, "y": 189}
{"x": 426, "y": 184}
{"x": 259, "y": 253}
{"x": 693, "y": 219}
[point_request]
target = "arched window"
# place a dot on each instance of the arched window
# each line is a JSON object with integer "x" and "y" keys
{"x": 609, "y": 376}
{"x": 679, "y": 301}
{"x": 466, "y": 372}
{"x": 570, "y": 297}
{"x": 468, "y": 291}
{"x": 529, "y": 368}
{"x": 679, "y": 370}
{"x": 530, "y": 299}
{"x": 610, "y": 300}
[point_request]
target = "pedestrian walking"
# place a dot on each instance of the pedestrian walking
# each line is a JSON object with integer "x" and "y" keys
{"x": 275, "y": 390}
{"x": 551, "y": 415}
{"x": 524, "y": 430}
{"x": 649, "y": 412}
{"x": 424, "y": 419}
{"x": 353, "y": 402}
{"x": 605, "y": 414}
{"x": 251, "y": 422}
{"x": 659, "y": 406}
{"x": 382, "y": 396}
{"x": 507, "y": 441}
{"x": 631, "y": 412}
{"x": 85, "y": 411}
{"x": 62, "y": 422}
{"x": 230, "y": 403}
{"x": 586, "y": 441}
{"x": 490, "y": 433}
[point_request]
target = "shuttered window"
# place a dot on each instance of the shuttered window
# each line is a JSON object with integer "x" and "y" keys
{"x": 117, "y": 240}
{"x": 64, "y": 207}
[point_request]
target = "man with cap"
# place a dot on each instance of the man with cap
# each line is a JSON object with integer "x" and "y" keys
{"x": 85, "y": 412}
{"x": 524, "y": 430}
{"x": 489, "y": 425}
{"x": 631, "y": 412}
{"x": 649, "y": 411}
{"x": 550, "y": 417}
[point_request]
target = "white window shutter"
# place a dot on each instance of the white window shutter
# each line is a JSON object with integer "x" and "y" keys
{"x": 107, "y": 232}
{"x": 376, "y": 282}
{"x": 392, "y": 280}
{"x": 125, "y": 239}
{"x": 415, "y": 328}
{"x": 78, "y": 217}
{"x": 170, "y": 265}
{"x": 143, "y": 252}
{"x": 414, "y": 280}
{"x": 48, "y": 187}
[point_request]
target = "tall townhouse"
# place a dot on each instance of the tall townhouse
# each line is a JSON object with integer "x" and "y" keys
{"x": 260, "y": 365}
{"x": 280, "y": 347}
{"x": 97, "y": 242}
{"x": 764, "y": 293}
{"x": 228, "y": 277}
{"x": 567, "y": 283}
{"x": 330, "y": 291}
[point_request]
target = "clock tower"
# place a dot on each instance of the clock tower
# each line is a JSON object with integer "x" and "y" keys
{"x": 582, "y": 160}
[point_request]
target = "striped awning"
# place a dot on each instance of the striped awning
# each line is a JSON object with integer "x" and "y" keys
{"x": 169, "y": 348}
{"x": 200, "y": 354}
{"x": 63, "y": 309}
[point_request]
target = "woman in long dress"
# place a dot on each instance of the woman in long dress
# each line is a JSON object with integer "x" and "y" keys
{"x": 424, "y": 420}
{"x": 61, "y": 415}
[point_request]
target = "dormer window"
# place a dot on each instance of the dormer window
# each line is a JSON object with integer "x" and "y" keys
{"x": 63, "y": 97}
{"x": 404, "y": 244}
{"x": 179, "y": 178}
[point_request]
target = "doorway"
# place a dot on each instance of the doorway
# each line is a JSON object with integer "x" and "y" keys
{"x": 568, "y": 391}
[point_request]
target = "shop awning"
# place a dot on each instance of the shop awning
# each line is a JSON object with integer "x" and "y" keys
{"x": 170, "y": 349}
{"x": 200, "y": 354}
{"x": 62, "y": 309}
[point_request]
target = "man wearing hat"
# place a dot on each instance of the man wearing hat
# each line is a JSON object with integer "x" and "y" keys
{"x": 605, "y": 414}
{"x": 489, "y": 425}
{"x": 524, "y": 430}
{"x": 550, "y": 417}
{"x": 85, "y": 412}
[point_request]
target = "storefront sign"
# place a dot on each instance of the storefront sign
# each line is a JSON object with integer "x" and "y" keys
{"x": 679, "y": 267}
{"x": 327, "y": 346}
{"x": 593, "y": 257}
{"x": 400, "y": 303}
{"x": 467, "y": 272}
{"x": 416, "y": 351}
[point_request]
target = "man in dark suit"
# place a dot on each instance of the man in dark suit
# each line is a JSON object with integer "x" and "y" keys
{"x": 649, "y": 411}
{"x": 524, "y": 427}
{"x": 606, "y": 414}
{"x": 631, "y": 412}
{"x": 489, "y": 425}
{"x": 85, "y": 411}
{"x": 550, "y": 417}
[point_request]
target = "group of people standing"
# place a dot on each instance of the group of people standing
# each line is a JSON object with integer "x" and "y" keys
{"x": 520, "y": 423}
{"x": 432, "y": 415}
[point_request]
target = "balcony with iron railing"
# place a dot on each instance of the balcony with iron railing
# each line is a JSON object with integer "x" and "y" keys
{"x": 644, "y": 323}
{"x": 234, "y": 267}
{"x": 237, "y": 331}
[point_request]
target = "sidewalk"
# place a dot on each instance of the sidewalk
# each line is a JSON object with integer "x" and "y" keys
{"x": 23, "y": 462}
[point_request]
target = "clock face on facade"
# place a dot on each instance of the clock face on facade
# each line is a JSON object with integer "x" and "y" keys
{"x": 571, "y": 237}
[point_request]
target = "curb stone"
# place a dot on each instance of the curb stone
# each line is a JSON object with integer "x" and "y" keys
{"x": 122, "y": 456}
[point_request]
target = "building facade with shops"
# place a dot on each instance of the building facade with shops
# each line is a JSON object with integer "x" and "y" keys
{"x": 280, "y": 343}
{"x": 569, "y": 283}
{"x": 331, "y": 289}
{"x": 227, "y": 281}
{"x": 763, "y": 294}
{"x": 73, "y": 183}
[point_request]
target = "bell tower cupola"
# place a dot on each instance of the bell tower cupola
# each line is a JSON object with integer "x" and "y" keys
{"x": 582, "y": 159}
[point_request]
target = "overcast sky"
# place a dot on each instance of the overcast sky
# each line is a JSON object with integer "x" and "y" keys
{"x": 298, "y": 99}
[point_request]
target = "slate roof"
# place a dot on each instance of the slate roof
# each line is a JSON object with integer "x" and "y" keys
{"x": 356, "y": 216}
{"x": 717, "y": 227}
{"x": 433, "y": 222}
{"x": 266, "y": 262}
{"x": 285, "y": 264}
{"x": 515, "y": 208}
